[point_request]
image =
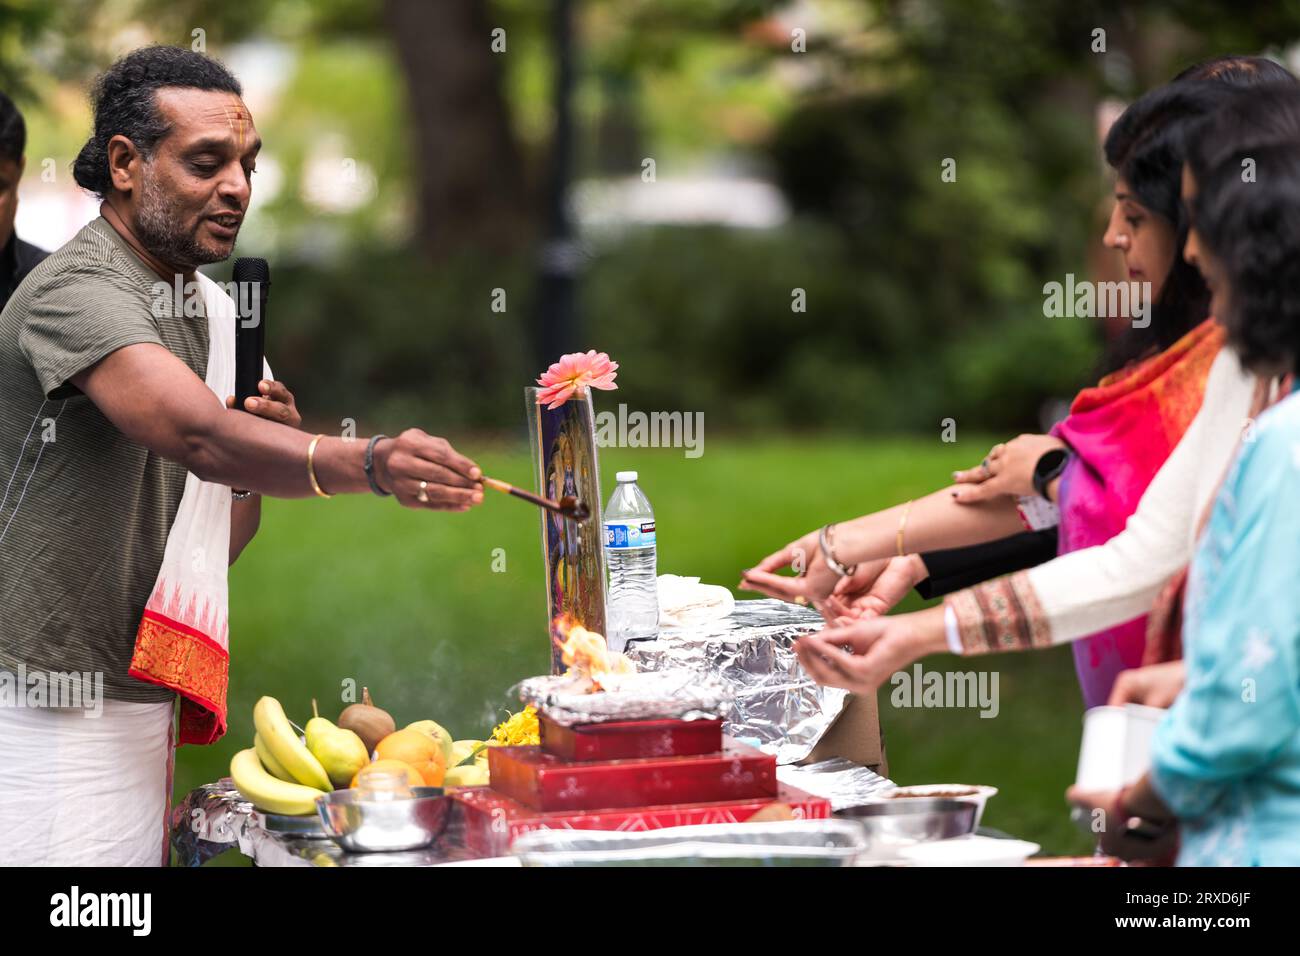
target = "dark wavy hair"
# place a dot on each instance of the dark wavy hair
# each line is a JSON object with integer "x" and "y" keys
{"x": 1238, "y": 71}
{"x": 125, "y": 102}
{"x": 1146, "y": 146}
{"x": 13, "y": 131}
{"x": 1246, "y": 164}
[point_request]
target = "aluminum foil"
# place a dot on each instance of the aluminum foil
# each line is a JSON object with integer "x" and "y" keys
{"x": 777, "y": 706}
{"x": 215, "y": 818}
{"x": 666, "y": 693}
{"x": 802, "y": 843}
{"x": 842, "y": 782}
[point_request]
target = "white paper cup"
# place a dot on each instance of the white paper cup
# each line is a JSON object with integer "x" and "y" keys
{"x": 1116, "y": 748}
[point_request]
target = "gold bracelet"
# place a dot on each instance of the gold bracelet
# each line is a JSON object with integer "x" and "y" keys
{"x": 902, "y": 525}
{"x": 311, "y": 468}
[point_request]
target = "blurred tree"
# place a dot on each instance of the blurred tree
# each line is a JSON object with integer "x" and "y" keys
{"x": 923, "y": 295}
{"x": 21, "y": 23}
{"x": 473, "y": 190}
{"x": 41, "y": 38}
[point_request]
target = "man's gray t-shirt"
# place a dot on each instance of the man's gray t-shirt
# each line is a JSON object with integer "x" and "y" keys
{"x": 84, "y": 511}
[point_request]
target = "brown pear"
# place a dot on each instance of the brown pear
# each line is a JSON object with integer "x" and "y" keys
{"x": 370, "y": 723}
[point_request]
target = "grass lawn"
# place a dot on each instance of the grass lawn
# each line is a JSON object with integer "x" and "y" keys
{"x": 357, "y": 591}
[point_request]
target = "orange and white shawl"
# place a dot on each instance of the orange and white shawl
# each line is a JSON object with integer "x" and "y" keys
{"x": 183, "y": 639}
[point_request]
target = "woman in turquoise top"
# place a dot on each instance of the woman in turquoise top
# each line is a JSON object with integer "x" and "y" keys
{"x": 1226, "y": 757}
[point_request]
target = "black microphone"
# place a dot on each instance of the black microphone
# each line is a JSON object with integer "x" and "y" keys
{"x": 252, "y": 282}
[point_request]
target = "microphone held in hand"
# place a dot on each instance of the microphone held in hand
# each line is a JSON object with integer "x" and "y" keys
{"x": 252, "y": 284}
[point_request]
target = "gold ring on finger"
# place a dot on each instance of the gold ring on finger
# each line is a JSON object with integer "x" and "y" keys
{"x": 423, "y": 496}
{"x": 801, "y": 601}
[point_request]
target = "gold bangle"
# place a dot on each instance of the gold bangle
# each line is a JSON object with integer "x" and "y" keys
{"x": 902, "y": 525}
{"x": 311, "y": 468}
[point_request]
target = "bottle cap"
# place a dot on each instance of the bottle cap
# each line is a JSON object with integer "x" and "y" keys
{"x": 625, "y": 476}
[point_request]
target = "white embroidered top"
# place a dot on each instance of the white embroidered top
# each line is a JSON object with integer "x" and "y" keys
{"x": 1089, "y": 590}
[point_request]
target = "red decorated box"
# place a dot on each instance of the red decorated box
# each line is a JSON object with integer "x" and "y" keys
{"x": 492, "y": 821}
{"x": 631, "y": 739}
{"x": 547, "y": 782}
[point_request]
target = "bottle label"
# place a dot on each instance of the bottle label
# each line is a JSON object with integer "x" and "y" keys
{"x": 629, "y": 534}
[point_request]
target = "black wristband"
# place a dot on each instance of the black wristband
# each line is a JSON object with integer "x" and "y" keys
{"x": 1049, "y": 468}
{"x": 370, "y": 467}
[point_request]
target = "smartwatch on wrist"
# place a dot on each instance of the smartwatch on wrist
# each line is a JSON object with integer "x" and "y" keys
{"x": 1049, "y": 468}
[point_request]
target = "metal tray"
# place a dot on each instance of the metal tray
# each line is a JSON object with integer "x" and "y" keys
{"x": 806, "y": 843}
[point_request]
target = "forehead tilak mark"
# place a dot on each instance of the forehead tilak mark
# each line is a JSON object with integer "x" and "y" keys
{"x": 236, "y": 117}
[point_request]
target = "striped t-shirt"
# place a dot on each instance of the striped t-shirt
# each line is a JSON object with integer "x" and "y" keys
{"x": 84, "y": 511}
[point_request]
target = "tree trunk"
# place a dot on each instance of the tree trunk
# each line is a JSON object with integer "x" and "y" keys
{"x": 472, "y": 192}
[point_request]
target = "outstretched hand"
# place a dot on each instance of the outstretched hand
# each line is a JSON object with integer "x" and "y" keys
{"x": 812, "y": 582}
{"x": 875, "y": 588}
{"x": 1008, "y": 469}
{"x": 861, "y": 654}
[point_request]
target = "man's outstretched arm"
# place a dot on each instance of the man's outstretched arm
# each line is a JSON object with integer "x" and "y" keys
{"x": 154, "y": 399}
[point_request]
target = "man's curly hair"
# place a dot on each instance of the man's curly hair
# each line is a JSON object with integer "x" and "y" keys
{"x": 125, "y": 102}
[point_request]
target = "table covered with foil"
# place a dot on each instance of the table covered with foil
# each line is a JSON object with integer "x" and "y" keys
{"x": 741, "y": 667}
{"x": 775, "y": 704}
{"x": 215, "y": 818}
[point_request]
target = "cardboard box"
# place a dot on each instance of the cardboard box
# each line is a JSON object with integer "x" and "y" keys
{"x": 855, "y": 735}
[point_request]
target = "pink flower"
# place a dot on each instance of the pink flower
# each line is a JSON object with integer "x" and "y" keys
{"x": 573, "y": 373}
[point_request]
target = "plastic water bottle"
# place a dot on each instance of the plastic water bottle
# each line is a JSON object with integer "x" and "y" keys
{"x": 630, "y": 553}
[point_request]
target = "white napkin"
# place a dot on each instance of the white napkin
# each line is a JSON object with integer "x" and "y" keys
{"x": 684, "y": 602}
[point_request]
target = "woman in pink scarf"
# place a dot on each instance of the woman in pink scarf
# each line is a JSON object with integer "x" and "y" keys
{"x": 1118, "y": 434}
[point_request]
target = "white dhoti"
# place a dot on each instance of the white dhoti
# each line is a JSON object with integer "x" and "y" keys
{"x": 79, "y": 790}
{"x": 85, "y": 790}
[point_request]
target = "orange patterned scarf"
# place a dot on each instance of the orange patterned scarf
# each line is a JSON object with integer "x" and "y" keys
{"x": 182, "y": 641}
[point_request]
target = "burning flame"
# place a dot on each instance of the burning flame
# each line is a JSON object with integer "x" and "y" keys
{"x": 587, "y": 653}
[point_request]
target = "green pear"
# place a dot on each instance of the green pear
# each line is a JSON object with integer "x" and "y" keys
{"x": 461, "y": 749}
{"x": 438, "y": 733}
{"x": 341, "y": 752}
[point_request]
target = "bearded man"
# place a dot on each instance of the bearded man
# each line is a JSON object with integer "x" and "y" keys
{"x": 119, "y": 447}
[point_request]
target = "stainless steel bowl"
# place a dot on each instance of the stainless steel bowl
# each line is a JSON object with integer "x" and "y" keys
{"x": 892, "y": 824}
{"x": 303, "y": 827}
{"x": 368, "y": 825}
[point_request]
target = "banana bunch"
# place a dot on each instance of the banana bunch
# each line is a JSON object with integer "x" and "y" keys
{"x": 278, "y": 773}
{"x": 267, "y": 792}
{"x": 281, "y": 740}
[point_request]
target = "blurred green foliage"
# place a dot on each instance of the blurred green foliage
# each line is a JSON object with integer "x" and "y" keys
{"x": 923, "y": 295}
{"x": 701, "y": 320}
